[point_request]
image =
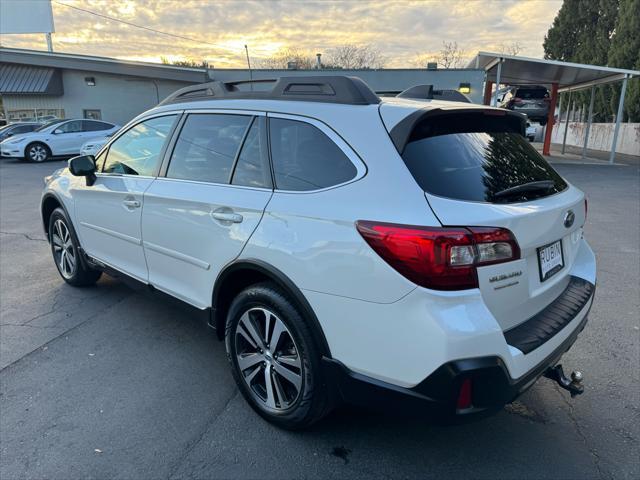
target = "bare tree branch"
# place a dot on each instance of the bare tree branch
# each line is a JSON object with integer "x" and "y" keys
{"x": 513, "y": 48}
{"x": 281, "y": 59}
{"x": 352, "y": 56}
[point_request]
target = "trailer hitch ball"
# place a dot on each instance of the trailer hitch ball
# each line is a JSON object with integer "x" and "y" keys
{"x": 573, "y": 386}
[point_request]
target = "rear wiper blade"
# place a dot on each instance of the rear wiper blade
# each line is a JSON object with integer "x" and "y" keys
{"x": 525, "y": 187}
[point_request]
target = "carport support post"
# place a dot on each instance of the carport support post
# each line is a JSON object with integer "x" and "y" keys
{"x": 495, "y": 95}
{"x": 487, "y": 92}
{"x": 589, "y": 120}
{"x": 548, "y": 130}
{"x": 612, "y": 155}
{"x": 566, "y": 123}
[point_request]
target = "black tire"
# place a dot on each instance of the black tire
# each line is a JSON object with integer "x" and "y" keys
{"x": 313, "y": 400}
{"x": 37, "y": 152}
{"x": 64, "y": 242}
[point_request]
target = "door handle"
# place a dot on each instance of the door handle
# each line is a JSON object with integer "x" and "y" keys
{"x": 131, "y": 203}
{"x": 227, "y": 217}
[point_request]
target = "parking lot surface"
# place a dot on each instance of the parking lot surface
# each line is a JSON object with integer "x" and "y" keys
{"x": 108, "y": 382}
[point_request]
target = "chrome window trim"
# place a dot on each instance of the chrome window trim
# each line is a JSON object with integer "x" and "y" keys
{"x": 213, "y": 184}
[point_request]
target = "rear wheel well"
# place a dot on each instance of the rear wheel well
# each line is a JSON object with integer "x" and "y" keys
{"x": 49, "y": 204}
{"x": 239, "y": 276}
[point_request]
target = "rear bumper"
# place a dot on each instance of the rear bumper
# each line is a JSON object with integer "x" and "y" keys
{"x": 436, "y": 396}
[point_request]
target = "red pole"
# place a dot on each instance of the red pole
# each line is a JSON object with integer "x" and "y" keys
{"x": 487, "y": 92}
{"x": 546, "y": 148}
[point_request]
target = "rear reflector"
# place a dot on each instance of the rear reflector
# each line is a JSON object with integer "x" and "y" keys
{"x": 464, "y": 397}
{"x": 439, "y": 258}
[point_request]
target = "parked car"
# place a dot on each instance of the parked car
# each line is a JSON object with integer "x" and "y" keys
{"x": 17, "y": 129}
{"x": 57, "y": 138}
{"x": 411, "y": 255}
{"x": 532, "y": 100}
{"x": 531, "y": 132}
{"x": 93, "y": 146}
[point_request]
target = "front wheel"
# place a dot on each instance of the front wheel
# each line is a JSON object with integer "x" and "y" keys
{"x": 274, "y": 358}
{"x": 37, "y": 152}
{"x": 66, "y": 254}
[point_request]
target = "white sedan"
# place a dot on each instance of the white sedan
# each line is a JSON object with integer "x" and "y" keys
{"x": 93, "y": 146}
{"x": 58, "y": 138}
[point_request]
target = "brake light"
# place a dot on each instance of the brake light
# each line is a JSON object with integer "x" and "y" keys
{"x": 440, "y": 258}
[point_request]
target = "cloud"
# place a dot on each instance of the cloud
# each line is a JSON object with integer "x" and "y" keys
{"x": 401, "y": 30}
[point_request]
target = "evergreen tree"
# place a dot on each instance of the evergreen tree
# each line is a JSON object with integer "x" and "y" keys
{"x": 625, "y": 53}
{"x": 581, "y": 33}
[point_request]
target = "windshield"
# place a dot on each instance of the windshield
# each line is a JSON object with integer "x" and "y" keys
{"x": 48, "y": 124}
{"x": 477, "y": 166}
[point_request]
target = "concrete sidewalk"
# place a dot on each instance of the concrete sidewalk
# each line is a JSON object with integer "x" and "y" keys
{"x": 573, "y": 155}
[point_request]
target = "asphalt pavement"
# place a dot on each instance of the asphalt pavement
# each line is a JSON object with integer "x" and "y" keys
{"x": 108, "y": 382}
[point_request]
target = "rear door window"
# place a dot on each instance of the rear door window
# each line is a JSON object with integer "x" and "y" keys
{"x": 95, "y": 126}
{"x": 481, "y": 166}
{"x": 304, "y": 158}
{"x": 207, "y": 147}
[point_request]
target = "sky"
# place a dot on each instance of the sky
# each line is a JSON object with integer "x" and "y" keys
{"x": 402, "y": 31}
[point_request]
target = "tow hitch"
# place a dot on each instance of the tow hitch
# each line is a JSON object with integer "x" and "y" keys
{"x": 574, "y": 386}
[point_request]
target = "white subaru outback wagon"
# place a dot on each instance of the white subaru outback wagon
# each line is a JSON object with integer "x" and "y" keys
{"x": 346, "y": 247}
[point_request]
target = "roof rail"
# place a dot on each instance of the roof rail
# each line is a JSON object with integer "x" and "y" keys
{"x": 326, "y": 89}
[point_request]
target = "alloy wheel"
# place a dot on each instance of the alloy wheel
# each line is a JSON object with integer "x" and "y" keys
{"x": 268, "y": 359}
{"x": 63, "y": 250}
{"x": 38, "y": 153}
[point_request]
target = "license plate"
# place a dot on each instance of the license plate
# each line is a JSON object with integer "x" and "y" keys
{"x": 550, "y": 260}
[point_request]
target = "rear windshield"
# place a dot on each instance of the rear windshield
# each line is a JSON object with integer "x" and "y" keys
{"x": 481, "y": 167}
{"x": 532, "y": 93}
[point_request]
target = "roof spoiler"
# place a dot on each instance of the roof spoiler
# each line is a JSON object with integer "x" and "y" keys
{"x": 327, "y": 89}
{"x": 402, "y": 132}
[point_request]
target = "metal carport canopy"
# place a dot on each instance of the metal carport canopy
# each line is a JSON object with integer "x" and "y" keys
{"x": 562, "y": 76}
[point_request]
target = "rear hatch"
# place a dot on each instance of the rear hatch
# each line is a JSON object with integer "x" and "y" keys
{"x": 477, "y": 169}
{"x": 528, "y": 98}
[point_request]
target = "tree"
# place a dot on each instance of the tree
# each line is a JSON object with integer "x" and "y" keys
{"x": 513, "y": 48}
{"x": 189, "y": 62}
{"x": 450, "y": 56}
{"x": 350, "y": 56}
{"x": 281, "y": 59}
{"x": 581, "y": 33}
{"x": 625, "y": 53}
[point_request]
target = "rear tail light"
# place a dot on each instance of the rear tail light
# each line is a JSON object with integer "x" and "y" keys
{"x": 440, "y": 258}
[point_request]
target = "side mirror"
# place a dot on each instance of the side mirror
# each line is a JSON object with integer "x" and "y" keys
{"x": 10, "y": 135}
{"x": 84, "y": 166}
{"x": 57, "y": 131}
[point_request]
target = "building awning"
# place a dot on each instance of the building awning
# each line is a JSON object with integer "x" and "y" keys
{"x": 22, "y": 79}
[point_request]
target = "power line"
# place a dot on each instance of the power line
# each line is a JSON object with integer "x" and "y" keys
{"x": 131, "y": 24}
